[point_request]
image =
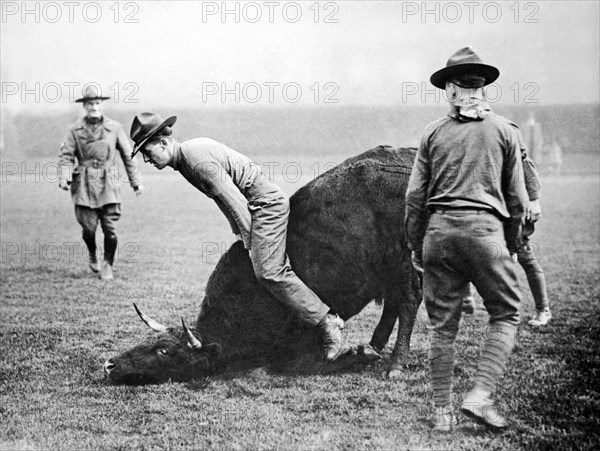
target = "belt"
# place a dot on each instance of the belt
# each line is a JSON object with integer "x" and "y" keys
{"x": 93, "y": 164}
{"x": 472, "y": 210}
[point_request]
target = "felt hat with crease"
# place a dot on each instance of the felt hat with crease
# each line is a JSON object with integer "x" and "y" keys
{"x": 145, "y": 126}
{"x": 91, "y": 93}
{"x": 464, "y": 62}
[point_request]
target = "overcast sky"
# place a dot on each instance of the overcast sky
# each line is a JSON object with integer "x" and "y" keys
{"x": 275, "y": 53}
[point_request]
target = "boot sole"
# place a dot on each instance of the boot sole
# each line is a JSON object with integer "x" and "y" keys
{"x": 480, "y": 420}
{"x": 332, "y": 359}
{"x": 537, "y": 323}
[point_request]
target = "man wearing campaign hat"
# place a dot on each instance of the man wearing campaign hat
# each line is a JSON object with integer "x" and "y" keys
{"x": 465, "y": 201}
{"x": 88, "y": 162}
{"x": 256, "y": 209}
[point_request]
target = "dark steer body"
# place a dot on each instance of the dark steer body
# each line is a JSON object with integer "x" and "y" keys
{"x": 345, "y": 240}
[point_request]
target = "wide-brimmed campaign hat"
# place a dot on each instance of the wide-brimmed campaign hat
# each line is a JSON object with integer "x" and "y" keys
{"x": 464, "y": 62}
{"x": 91, "y": 93}
{"x": 145, "y": 126}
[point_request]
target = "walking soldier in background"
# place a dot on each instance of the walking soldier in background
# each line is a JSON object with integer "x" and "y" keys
{"x": 92, "y": 142}
{"x": 465, "y": 202}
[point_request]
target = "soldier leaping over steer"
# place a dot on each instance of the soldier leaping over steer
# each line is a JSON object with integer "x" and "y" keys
{"x": 256, "y": 209}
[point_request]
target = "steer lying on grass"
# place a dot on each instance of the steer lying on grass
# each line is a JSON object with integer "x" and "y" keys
{"x": 345, "y": 241}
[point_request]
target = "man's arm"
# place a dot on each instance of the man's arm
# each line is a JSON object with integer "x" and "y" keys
{"x": 513, "y": 188}
{"x": 532, "y": 181}
{"x": 228, "y": 197}
{"x": 533, "y": 186}
{"x": 416, "y": 199}
{"x": 234, "y": 227}
{"x": 131, "y": 166}
{"x": 66, "y": 160}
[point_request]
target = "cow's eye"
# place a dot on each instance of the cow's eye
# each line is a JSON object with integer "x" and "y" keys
{"x": 163, "y": 351}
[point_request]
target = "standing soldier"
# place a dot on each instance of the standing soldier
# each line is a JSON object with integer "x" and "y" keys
{"x": 93, "y": 142}
{"x": 465, "y": 201}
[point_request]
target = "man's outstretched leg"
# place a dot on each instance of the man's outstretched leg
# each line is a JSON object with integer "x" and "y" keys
{"x": 273, "y": 270}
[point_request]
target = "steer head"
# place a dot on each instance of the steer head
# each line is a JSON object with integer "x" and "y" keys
{"x": 175, "y": 353}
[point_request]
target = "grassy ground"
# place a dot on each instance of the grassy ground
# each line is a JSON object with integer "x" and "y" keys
{"x": 58, "y": 324}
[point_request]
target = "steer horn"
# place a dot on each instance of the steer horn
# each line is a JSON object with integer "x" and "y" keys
{"x": 193, "y": 342}
{"x": 157, "y": 327}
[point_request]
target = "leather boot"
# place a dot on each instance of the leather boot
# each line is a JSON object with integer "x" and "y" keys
{"x": 93, "y": 263}
{"x": 478, "y": 406}
{"x": 107, "y": 273}
{"x": 331, "y": 333}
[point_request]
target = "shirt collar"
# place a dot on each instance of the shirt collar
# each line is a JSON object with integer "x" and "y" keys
{"x": 176, "y": 155}
{"x": 93, "y": 120}
{"x": 107, "y": 123}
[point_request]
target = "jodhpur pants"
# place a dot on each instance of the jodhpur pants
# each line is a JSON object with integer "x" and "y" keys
{"x": 270, "y": 213}
{"x": 529, "y": 262}
{"x": 88, "y": 218}
{"x": 463, "y": 246}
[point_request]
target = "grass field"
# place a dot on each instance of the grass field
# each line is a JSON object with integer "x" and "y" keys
{"x": 58, "y": 324}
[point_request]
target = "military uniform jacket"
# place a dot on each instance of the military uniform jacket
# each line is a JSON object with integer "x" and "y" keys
{"x": 91, "y": 153}
{"x": 474, "y": 164}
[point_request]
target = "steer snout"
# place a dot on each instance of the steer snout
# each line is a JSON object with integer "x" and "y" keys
{"x": 108, "y": 366}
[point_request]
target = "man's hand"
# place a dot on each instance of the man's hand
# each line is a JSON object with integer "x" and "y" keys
{"x": 138, "y": 190}
{"x": 534, "y": 211}
{"x": 417, "y": 261}
{"x": 512, "y": 234}
{"x": 63, "y": 184}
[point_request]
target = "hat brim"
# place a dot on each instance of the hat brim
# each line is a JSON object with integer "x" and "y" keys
{"x": 89, "y": 99}
{"x": 489, "y": 73}
{"x": 166, "y": 123}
